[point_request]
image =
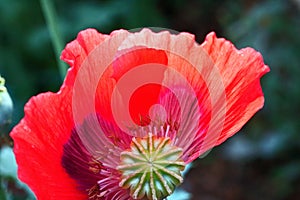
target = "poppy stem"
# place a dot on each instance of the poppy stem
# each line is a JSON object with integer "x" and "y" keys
{"x": 50, "y": 17}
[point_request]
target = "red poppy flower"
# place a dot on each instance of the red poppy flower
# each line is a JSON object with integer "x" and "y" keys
{"x": 134, "y": 109}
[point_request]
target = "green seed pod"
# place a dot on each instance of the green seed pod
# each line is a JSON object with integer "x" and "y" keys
{"x": 6, "y": 108}
{"x": 151, "y": 169}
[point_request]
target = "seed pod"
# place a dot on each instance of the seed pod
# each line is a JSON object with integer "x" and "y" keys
{"x": 6, "y": 108}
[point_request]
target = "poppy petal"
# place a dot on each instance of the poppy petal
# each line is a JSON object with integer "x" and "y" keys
{"x": 89, "y": 69}
{"x": 241, "y": 71}
{"x": 38, "y": 146}
{"x": 76, "y": 51}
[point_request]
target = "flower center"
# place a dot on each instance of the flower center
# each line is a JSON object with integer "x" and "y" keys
{"x": 151, "y": 168}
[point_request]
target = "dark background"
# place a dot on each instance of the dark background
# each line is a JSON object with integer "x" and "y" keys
{"x": 262, "y": 161}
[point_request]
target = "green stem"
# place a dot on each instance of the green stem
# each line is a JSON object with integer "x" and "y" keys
{"x": 50, "y": 16}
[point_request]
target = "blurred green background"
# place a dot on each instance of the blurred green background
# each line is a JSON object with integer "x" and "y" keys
{"x": 260, "y": 162}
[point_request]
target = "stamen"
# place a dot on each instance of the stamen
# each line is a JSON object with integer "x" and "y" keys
{"x": 93, "y": 193}
{"x": 95, "y": 166}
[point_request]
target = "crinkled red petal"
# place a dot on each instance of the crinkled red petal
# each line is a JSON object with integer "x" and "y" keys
{"x": 241, "y": 71}
{"x": 76, "y": 51}
{"x": 38, "y": 146}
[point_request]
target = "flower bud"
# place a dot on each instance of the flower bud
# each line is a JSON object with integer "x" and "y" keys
{"x": 6, "y": 108}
